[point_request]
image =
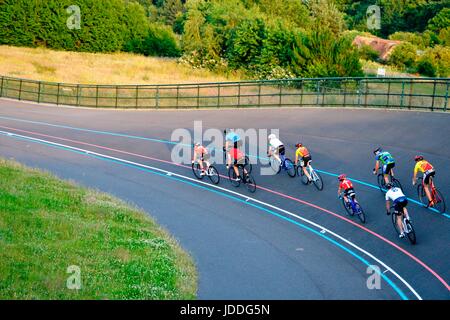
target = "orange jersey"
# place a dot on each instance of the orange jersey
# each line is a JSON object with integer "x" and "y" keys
{"x": 345, "y": 184}
{"x": 302, "y": 152}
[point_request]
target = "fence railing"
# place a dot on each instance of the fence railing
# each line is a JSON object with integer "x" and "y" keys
{"x": 409, "y": 93}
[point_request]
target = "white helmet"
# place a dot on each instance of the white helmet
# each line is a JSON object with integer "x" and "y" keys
{"x": 271, "y": 136}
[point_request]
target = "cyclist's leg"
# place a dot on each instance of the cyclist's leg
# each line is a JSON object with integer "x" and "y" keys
{"x": 385, "y": 174}
{"x": 399, "y": 222}
{"x": 305, "y": 169}
{"x": 426, "y": 186}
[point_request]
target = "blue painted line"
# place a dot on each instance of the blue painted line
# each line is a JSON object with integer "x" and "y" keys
{"x": 174, "y": 143}
{"x": 364, "y": 261}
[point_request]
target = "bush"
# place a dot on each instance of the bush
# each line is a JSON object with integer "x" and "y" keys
{"x": 413, "y": 38}
{"x": 435, "y": 62}
{"x": 439, "y": 21}
{"x": 403, "y": 56}
{"x": 366, "y": 52}
{"x": 106, "y": 25}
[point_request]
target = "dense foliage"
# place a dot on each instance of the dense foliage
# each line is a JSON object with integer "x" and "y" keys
{"x": 259, "y": 38}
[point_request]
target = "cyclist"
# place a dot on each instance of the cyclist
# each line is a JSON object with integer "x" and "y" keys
{"x": 239, "y": 160}
{"x": 201, "y": 154}
{"x": 386, "y": 160}
{"x": 276, "y": 147}
{"x": 303, "y": 153}
{"x": 346, "y": 186}
{"x": 428, "y": 171}
{"x": 231, "y": 139}
{"x": 400, "y": 202}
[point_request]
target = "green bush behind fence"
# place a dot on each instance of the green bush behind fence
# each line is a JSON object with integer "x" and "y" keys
{"x": 409, "y": 93}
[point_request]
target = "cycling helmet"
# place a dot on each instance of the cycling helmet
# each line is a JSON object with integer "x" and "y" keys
{"x": 418, "y": 158}
{"x": 197, "y": 144}
{"x": 389, "y": 185}
{"x": 298, "y": 145}
{"x": 377, "y": 150}
{"x": 342, "y": 177}
{"x": 271, "y": 136}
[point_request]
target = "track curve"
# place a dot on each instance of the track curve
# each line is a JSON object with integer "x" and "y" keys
{"x": 240, "y": 252}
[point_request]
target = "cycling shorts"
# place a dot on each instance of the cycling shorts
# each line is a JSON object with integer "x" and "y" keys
{"x": 399, "y": 204}
{"x": 427, "y": 175}
{"x": 240, "y": 161}
{"x": 388, "y": 167}
{"x": 305, "y": 161}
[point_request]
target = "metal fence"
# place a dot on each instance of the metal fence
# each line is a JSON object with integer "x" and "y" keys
{"x": 408, "y": 93}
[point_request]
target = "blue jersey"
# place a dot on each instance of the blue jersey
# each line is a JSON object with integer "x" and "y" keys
{"x": 385, "y": 158}
{"x": 232, "y": 137}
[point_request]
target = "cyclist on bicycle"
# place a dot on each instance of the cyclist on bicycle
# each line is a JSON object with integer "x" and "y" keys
{"x": 303, "y": 153}
{"x": 400, "y": 202}
{"x": 231, "y": 139}
{"x": 387, "y": 162}
{"x": 428, "y": 171}
{"x": 276, "y": 147}
{"x": 346, "y": 186}
{"x": 239, "y": 160}
{"x": 201, "y": 155}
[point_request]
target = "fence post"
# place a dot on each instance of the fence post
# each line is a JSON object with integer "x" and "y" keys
{"x": 1, "y": 88}
{"x": 117, "y": 96}
{"x": 239, "y": 94}
{"x": 259, "y": 94}
{"x": 198, "y": 96}
{"x": 136, "y": 97}
{"x": 388, "y": 94}
{"x": 434, "y": 94}
{"x": 410, "y": 93}
{"x": 279, "y": 100}
{"x": 323, "y": 95}
{"x": 359, "y": 93}
{"x": 39, "y": 92}
{"x": 78, "y": 95}
{"x": 317, "y": 92}
{"x": 446, "y": 97}
{"x": 57, "y": 95}
{"x": 366, "y": 93}
{"x": 403, "y": 92}
{"x": 345, "y": 92}
{"x": 96, "y": 96}
{"x": 302, "y": 83}
{"x": 218, "y": 95}
{"x": 178, "y": 97}
{"x": 20, "y": 90}
{"x": 157, "y": 97}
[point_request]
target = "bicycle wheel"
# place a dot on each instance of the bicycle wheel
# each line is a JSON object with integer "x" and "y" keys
{"x": 360, "y": 212}
{"x": 232, "y": 177}
{"x": 381, "y": 183}
{"x": 394, "y": 222}
{"x": 302, "y": 175}
{"x": 347, "y": 207}
{"x": 421, "y": 194}
{"x": 250, "y": 183}
{"x": 213, "y": 175}
{"x": 197, "y": 171}
{"x": 317, "y": 180}
{"x": 410, "y": 232}
{"x": 290, "y": 168}
{"x": 275, "y": 164}
{"x": 439, "y": 202}
{"x": 396, "y": 183}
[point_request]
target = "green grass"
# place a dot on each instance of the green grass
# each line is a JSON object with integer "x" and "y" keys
{"x": 47, "y": 225}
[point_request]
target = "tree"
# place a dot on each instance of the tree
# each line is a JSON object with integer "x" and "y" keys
{"x": 170, "y": 10}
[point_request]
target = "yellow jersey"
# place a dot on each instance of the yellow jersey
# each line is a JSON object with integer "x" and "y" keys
{"x": 422, "y": 166}
{"x": 302, "y": 152}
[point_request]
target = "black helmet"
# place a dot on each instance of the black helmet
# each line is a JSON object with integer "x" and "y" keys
{"x": 377, "y": 150}
{"x": 389, "y": 185}
{"x": 418, "y": 158}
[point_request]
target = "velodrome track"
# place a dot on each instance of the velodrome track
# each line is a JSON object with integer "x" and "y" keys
{"x": 286, "y": 241}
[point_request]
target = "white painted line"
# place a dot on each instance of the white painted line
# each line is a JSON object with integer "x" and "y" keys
{"x": 323, "y": 230}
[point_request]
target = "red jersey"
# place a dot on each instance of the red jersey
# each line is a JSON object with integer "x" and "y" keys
{"x": 346, "y": 184}
{"x": 236, "y": 154}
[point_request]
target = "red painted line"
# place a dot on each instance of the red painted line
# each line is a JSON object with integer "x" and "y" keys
{"x": 420, "y": 262}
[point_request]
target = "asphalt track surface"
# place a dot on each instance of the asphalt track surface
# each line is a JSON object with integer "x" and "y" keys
{"x": 287, "y": 240}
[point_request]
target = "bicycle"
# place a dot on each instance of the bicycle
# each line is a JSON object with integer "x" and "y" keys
{"x": 436, "y": 195}
{"x": 353, "y": 207}
{"x": 246, "y": 177}
{"x": 406, "y": 225}
{"x": 283, "y": 162}
{"x": 382, "y": 182}
{"x": 315, "y": 176}
{"x": 211, "y": 172}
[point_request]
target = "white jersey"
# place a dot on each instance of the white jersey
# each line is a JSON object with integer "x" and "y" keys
{"x": 394, "y": 194}
{"x": 275, "y": 143}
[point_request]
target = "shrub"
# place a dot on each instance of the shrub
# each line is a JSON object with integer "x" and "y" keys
{"x": 435, "y": 62}
{"x": 366, "y": 52}
{"x": 403, "y": 56}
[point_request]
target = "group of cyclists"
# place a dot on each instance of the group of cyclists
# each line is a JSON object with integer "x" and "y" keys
{"x": 383, "y": 160}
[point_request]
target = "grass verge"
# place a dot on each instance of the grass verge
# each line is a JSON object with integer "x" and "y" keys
{"x": 48, "y": 225}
